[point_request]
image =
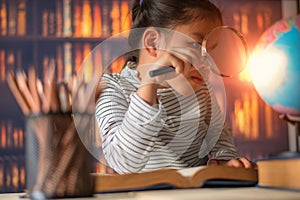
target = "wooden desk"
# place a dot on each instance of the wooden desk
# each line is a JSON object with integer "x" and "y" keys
{"x": 250, "y": 193}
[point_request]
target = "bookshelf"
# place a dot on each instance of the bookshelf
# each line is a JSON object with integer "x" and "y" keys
{"x": 33, "y": 32}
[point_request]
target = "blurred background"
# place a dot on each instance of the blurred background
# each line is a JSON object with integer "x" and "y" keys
{"x": 33, "y": 32}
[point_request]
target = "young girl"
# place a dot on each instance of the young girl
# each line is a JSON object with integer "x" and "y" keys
{"x": 165, "y": 121}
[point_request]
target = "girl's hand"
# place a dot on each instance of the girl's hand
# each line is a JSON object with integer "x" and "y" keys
{"x": 165, "y": 59}
{"x": 181, "y": 59}
{"x": 149, "y": 85}
{"x": 240, "y": 162}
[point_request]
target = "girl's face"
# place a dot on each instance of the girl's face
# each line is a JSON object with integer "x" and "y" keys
{"x": 193, "y": 74}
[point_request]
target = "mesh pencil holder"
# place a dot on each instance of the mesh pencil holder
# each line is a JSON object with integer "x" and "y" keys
{"x": 57, "y": 163}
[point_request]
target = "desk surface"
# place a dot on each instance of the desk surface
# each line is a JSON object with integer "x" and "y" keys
{"x": 250, "y": 193}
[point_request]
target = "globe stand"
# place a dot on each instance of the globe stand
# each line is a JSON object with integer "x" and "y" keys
{"x": 294, "y": 121}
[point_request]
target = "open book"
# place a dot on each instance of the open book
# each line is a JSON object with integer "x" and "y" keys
{"x": 170, "y": 178}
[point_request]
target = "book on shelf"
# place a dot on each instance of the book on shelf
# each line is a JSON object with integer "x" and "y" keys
{"x": 9, "y": 133}
{"x": 281, "y": 173}
{"x": 115, "y": 18}
{"x": 77, "y": 16}
{"x": 67, "y": 18}
{"x": 87, "y": 22}
{"x": 3, "y": 18}
{"x": 59, "y": 18}
{"x": 21, "y": 26}
{"x": 12, "y": 18}
{"x": 125, "y": 19}
{"x": 3, "y": 136}
{"x": 2, "y": 65}
{"x": 97, "y": 20}
{"x": 51, "y": 23}
{"x": 45, "y": 16}
{"x": 196, "y": 177}
{"x": 106, "y": 28}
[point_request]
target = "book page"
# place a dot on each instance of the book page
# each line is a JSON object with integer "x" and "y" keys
{"x": 187, "y": 172}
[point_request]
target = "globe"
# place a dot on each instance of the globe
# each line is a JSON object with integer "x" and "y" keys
{"x": 275, "y": 66}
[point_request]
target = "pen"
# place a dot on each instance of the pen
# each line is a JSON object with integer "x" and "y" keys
{"x": 161, "y": 71}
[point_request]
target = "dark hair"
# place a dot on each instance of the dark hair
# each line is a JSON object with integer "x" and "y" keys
{"x": 167, "y": 14}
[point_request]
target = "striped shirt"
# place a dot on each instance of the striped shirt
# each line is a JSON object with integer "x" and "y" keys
{"x": 181, "y": 131}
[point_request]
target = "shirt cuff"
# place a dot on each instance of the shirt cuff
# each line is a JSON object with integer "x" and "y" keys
{"x": 224, "y": 155}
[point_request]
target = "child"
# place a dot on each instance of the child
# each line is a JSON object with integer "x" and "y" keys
{"x": 166, "y": 121}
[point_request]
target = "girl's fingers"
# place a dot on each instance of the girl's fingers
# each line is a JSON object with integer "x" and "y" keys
{"x": 241, "y": 162}
{"x": 166, "y": 59}
{"x": 247, "y": 163}
{"x": 234, "y": 163}
{"x": 175, "y": 57}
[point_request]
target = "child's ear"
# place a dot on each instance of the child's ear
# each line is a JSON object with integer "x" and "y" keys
{"x": 151, "y": 39}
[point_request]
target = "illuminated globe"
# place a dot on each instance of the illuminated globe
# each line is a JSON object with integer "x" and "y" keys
{"x": 275, "y": 66}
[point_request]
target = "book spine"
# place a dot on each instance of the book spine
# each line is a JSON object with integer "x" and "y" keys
{"x": 21, "y": 138}
{"x": 4, "y": 18}
{"x": 67, "y": 16}
{"x": 15, "y": 174}
{"x": 21, "y": 30}
{"x": 125, "y": 17}
{"x": 59, "y": 18}
{"x": 9, "y": 133}
{"x": 8, "y": 173}
{"x": 3, "y": 136}
{"x": 115, "y": 18}
{"x": 12, "y": 18}
{"x": 45, "y": 17}
{"x": 51, "y": 23}
{"x": 22, "y": 172}
{"x": 2, "y": 66}
{"x": 86, "y": 19}
{"x": 77, "y": 18}
{"x": 97, "y": 20}
{"x": 105, "y": 19}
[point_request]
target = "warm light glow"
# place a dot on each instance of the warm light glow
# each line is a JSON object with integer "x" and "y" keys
{"x": 245, "y": 75}
{"x": 267, "y": 68}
